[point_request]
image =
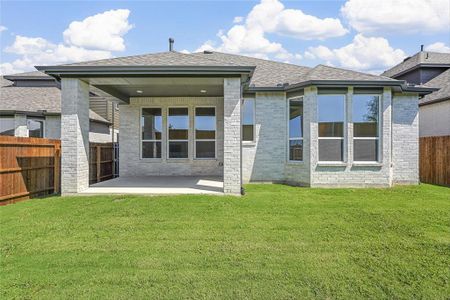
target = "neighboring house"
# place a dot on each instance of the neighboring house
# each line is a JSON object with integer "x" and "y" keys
{"x": 245, "y": 119}
{"x": 30, "y": 105}
{"x": 430, "y": 69}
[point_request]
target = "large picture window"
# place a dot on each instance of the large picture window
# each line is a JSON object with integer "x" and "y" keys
{"x": 178, "y": 128}
{"x": 365, "y": 114}
{"x": 296, "y": 129}
{"x": 331, "y": 114}
{"x": 248, "y": 120}
{"x": 151, "y": 130}
{"x": 35, "y": 127}
{"x": 7, "y": 126}
{"x": 205, "y": 132}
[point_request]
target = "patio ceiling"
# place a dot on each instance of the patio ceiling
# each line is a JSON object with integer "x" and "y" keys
{"x": 125, "y": 87}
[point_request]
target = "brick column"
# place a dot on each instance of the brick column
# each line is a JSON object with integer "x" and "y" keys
{"x": 74, "y": 135}
{"x": 232, "y": 167}
{"x": 310, "y": 138}
{"x": 348, "y": 155}
{"x": 21, "y": 126}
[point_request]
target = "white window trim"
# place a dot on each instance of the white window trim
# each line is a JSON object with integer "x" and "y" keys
{"x": 288, "y": 127}
{"x": 205, "y": 140}
{"x": 168, "y": 134}
{"x": 43, "y": 119}
{"x": 152, "y": 140}
{"x": 254, "y": 122}
{"x": 362, "y": 162}
{"x": 344, "y": 137}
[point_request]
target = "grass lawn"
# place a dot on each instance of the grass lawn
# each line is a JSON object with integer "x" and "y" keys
{"x": 277, "y": 242}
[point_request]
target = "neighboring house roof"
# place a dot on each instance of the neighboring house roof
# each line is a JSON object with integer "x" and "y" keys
{"x": 322, "y": 72}
{"x": 31, "y": 75}
{"x": 420, "y": 58}
{"x": 443, "y": 83}
{"x": 46, "y": 100}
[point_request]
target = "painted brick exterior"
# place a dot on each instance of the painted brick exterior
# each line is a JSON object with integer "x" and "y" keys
{"x": 405, "y": 131}
{"x": 74, "y": 135}
{"x": 131, "y": 163}
{"x": 232, "y": 170}
{"x": 53, "y": 127}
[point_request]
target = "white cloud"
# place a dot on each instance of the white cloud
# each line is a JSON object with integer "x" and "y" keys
{"x": 238, "y": 19}
{"x": 103, "y": 31}
{"x": 363, "y": 54}
{"x": 3, "y": 28}
{"x": 270, "y": 16}
{"x": 409, "y": 16}
{"x": 39, "y": 51}
{"x": 438, "y": 47}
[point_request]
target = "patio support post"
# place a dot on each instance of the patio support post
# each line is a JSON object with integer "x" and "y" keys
{"x": 74, "y": 135}
{"x": 232, "y": 168}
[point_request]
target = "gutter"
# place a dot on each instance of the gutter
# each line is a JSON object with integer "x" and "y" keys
{"x": 95, "y": 71}
{"x": 339, "y": 83}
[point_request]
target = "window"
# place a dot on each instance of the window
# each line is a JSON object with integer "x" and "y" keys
{"x": 178, "y": 127}
{"x": 296, "y": 129}
{"x": 35, "y": 127}
{"x": 365, "y": 114}
{"x": 151, "y": 130}
{"x": 331, "y": 127}
{"x": 7, "y": 126}
{"x": 205, "y": 132}
{"x": 248, "y": 121}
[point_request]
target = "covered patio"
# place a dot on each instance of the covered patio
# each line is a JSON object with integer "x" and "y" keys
{"x": 167, "y": 105}
{"x": 158, "y": 185}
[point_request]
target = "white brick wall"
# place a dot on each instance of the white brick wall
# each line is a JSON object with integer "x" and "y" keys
{"x": 130, "y": 162}
{"x": 405, "y": 135}
{"x": 232, "y": 171}
{"x": 74, "y": 135}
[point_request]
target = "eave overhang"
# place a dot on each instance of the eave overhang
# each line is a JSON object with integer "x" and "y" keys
{"x": 399, "y": 85}
{"x": 115, "y": 71}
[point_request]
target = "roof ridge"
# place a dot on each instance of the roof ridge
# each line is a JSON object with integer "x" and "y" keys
{"x": 207, "y": 58}
{"x": 256, "y": 58}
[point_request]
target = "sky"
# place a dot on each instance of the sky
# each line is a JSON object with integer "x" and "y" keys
{"x": 363, "y": 35}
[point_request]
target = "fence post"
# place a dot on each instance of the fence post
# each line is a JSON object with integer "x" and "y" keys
{"x": 98, "y": 162}
{"x": 56, "y": 167}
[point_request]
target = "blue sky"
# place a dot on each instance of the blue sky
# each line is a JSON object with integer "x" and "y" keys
{"x": 363, "y": 35}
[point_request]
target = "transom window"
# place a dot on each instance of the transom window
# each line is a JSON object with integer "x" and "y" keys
{"x": 365, "y": 114}
{"x": 331, "y": 114}
{"x": 35, "y": 127}
{"x": 178, "y": 128}
{"x": 248, "y": 120}
{"x": 205, "y": 132}
{"x": 7, "y": 126}
{"x": 296, "y": 129}
{"x": 151, "y": 130}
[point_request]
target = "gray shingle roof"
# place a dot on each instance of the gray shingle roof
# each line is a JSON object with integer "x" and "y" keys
{"x": 33, "y": 74}
{"x": 423, "y": 57}
{"x": 169, "y": 58}
{"x": 322, "y": 72}
{"x": 443, "y": 83}
{"x": 267, "y": 73}
{"x": 34, "y": 99}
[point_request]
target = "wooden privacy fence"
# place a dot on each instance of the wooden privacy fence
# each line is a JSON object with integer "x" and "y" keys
{"x": 434, "y": 161}
{"x": 103, "y": 161}
{"x": 28, "y": 167}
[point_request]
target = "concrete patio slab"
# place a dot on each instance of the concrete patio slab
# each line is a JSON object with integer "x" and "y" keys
{"x": 158, "y": 185}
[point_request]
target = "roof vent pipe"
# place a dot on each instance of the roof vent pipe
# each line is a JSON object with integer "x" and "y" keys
{"x": 421, "y": 48}
{"x": 171, "y": 41}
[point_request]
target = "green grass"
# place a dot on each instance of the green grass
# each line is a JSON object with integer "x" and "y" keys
{"x": 277, "y": 242}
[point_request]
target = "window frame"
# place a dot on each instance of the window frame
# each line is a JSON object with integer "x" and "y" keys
{"x": 43, "y": 119}
{"x": 344, "y": 133}
{"x": 168, "y": 140}
{"x": 378, "y": 150}
{"x": 153, "y": 140}
{"x": 254, "y": 121}
{"x": 289, "y": 139}
{"x": 205, "y": 140}
{"x": 13, "y": 122}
